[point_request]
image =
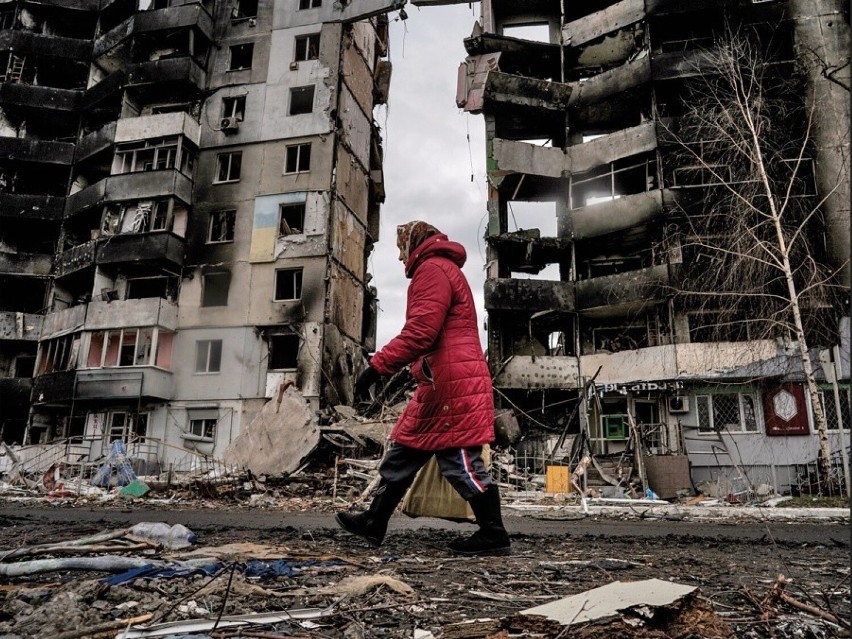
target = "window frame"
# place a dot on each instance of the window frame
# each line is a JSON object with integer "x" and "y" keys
{"x": 237, "y": 104}
{"x": 282, "y": 221}
{"x": 305, "y": 5}
{"x": 299, "y": 151}
{"x": 230, "y": 224}
{"x": 303, "y": 46}
{"x": 710, "y": 401}
{"x": 245, "y": 46}
{"x": 298, "y": 284}
{"x": 282, "y": 336}
{"x": 205, "y": 423}
{"x": 210, "y": 349}
{"x": 206, "y": 280}
{"x": 230, "y": 155}
{"x": 295, "y": 98}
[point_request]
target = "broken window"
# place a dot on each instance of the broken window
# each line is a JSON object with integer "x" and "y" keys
{"x": 146, "y": 155}
{"x": 535, "y": 32}
{"x": 309, "y": 4}
{"x": 736, "y": 412}
{"x": 221, "y": 226}
{"x": 301, "y": 100}
{"x": 121, "y": 347}
{"x": 307, "y": 47}
{"x": 155, "y": 286}
{"x": 204, "y": 427}
{"x": 234, "y": 107}
{"x": 292, "y": 219}
{"x": 228, "y": 167}
{"x": 283, "y": 351}
{"x": 214, "y": 288}
{"x": 245, "y": 9}
{"x": 208, "y": 355}
{"x": 288, "y": 284}
{"x": 58, "y": 354}
{"x": 620, "y": 338}
{"x": 241, "y": 56}
{"x": 121, "y": 425}
{"x": 298, "y": 158}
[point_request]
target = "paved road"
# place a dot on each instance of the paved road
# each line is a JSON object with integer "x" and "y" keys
{"x": 830, "y": 534}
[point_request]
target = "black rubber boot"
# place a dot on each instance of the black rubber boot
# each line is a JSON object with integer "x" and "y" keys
{"x": 372, "y": 524}
{"x": 491, "y": 538}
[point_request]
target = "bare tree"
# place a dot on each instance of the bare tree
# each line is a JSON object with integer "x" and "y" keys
{"x": 753, "y": 245}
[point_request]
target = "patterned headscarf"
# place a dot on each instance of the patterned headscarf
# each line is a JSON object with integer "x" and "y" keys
{"x": 411, "y": 235}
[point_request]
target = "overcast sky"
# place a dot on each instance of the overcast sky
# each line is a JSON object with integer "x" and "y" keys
{"x": 428, "y": 159}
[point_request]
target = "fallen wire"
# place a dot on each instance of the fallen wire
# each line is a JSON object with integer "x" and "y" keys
{"x": 188, "y": 596}
{"x": 225, "y": 596}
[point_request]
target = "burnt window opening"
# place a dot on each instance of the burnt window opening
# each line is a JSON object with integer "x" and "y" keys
{"x": 609, "y": 182}
{"x": 24, "y": 366}
{"x": 145, "y": 287}
{"x": 221, "y": 226}
{"x": 292, "y": 219}
{"x": 301, "y": 100}
{"x": 620, "y": 338}
{"x": 309, "y": 4}
{"x": 208, "y": 355}
{"x": 228, "y": 167}
{"x": 234, "y": 107}
{"x": 245, "y": 9}
{"x": 288, "y": 284}
{"x": 7, "y": 18}
{"x": 298, "y": 158}
{"x": 718, "y": 326}
{"x": 283, "y": 351}
{"x": 307, "y": 47}
{"x": 58, "y": 354}
{"x": 532, "y": 31}
{"x": 214, "y": 288}
{"x": 241, "y": 56}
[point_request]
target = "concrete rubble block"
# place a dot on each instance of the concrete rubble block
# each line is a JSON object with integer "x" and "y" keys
{"x": 282, "y": 435}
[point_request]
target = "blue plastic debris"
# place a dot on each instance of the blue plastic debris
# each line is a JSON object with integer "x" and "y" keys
{"x": 116, "y": 470}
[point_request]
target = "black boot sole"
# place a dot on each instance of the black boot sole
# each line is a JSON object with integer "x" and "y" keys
{"x": 374, "y": 541}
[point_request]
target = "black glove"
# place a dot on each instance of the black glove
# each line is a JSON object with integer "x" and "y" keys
{"x": 365, "y": 380}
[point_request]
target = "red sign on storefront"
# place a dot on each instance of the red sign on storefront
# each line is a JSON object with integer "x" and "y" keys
{"x": 785, "y": 410}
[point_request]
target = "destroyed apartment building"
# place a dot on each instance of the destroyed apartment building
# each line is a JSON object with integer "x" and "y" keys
{"x": 588, "y": 246}
{"x": 189, "y": 191}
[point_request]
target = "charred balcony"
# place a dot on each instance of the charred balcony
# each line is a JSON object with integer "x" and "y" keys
{"x": 23, "y": 293}
{"x": 529, "y": 295}
{"x": 40, "y": 151}
{"x": 517, "y": 56}
{"x": 29, "y": 264}
{"x": 527, "y": 252}
{"x": 132, "y": 186}
{"x": 40, "y": 98}
{"x": 623, "y": 292}
{"x": 619, "y": 214}
{"x": 26, "y": 43}
{"x": 172, "y": 78}
{"x": 157, "y": 248}
{"x": 95, "y": 142}
{"x": 54, "y": 389}
{"x": 15, "y": 395}
{"x": 123, "y": 383}
{"x": 22, "y": 206}
{"x": 161, "y": 22}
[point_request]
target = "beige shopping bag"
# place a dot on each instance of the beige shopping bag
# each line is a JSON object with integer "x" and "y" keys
{"x": 432, "y": 496}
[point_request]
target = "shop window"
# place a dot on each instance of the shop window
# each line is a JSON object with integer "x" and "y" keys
{"x": 208, "y": 355}
{"x": 288, "y": 284}
{"x": 307, "y": 47}
{"x": 298, "y": 158}
{"x": 729, "y": 412}
{"x": 301, "y": 100}
{"x": 214, "y": 289}
{"x": 228, "y": 167}
{"x": 292, "y": 219}
{"x": 221, "y": 226}
{"x": 283, "y": 351}
{"x": 241, "y": 56}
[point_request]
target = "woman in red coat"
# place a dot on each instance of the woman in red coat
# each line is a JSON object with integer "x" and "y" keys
{"x": 451, "y": 414}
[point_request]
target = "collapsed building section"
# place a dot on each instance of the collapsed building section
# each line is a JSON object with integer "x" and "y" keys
{"x": 189, "y": 191}
{"x": 588, "y": 242}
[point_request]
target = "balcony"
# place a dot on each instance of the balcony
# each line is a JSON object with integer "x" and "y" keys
{"x": 42, "y": 151}
{"x": 611, "y": 84}
{"x": 131, "y": 186}
{"x": 39, "y": 97}
{"x": 15, "y": 394}
{"x": 160, "y": 125}
{"x": 509, "y": 294}
{"x": 539, "y": 372}
{"x": 620, "y": 214}
{"x": 159, "y": 247}
{"x": 20, "y": 206}
{"x": 63, "y": 321}
{"x": 20, "y": 326}
{"x": 77, "y": 258}
{"x": 183, "y": 72}
{"x": 624, "y": 292}
{"x": 25, "y": 264}
{"x": 54, "y": 389}
{"x": 79, "y": 5}
{"x": 110, "y": 87}
{"x": 95, "y": 142}
{"x": 172, "y": 19}
{"x": 37, "y": 44}
{"x": 641, "y": 364}
{"x": 612, "y": 18}
{"x": 123, "y": 383}
{"x": 135, "y": 312}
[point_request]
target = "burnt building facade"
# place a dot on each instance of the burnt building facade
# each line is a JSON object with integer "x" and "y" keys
{"x": 190, "y": 192}
{"x": 586, "y": 241}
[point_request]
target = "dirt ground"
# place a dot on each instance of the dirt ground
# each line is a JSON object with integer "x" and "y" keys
{"x": 413, "y": 583}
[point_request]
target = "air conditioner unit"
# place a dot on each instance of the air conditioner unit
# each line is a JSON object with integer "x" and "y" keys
{"x": 230, "y": 125}
{"x": 678, "y": 404}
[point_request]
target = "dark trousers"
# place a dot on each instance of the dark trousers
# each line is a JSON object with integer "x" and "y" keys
{"x": 462, "y": 467}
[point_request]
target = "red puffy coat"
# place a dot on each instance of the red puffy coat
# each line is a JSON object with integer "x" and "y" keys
{"x": 453, "y": 404}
